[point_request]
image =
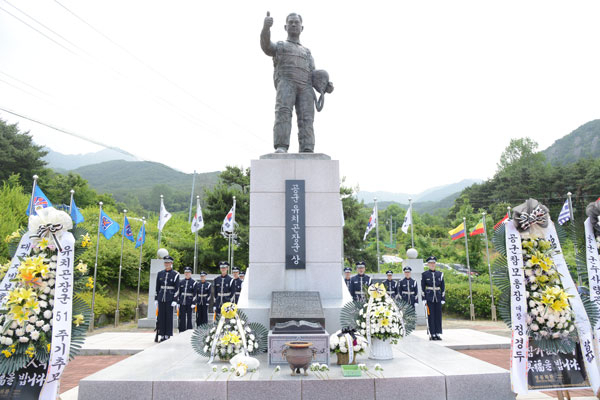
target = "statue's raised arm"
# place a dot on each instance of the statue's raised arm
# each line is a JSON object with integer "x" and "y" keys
{"x": 265, "y": 36}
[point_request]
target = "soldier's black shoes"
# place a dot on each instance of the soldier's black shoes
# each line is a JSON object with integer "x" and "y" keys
{"x": 432, "y": 338}
{"x": 436, "y": 337}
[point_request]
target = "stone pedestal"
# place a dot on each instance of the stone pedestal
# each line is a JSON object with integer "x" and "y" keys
{"x": 324, "y": 235}
{"x": 417, "y": 272}
{"x": 277, "y": 344}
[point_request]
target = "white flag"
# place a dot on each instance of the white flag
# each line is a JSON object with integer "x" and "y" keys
{"x": 407, "y": 220}
{"x": 198, "y": 221}
{"x": 229, "y": 220}
{"x": 163, "y": 217}
{"x": 372, "y": 222}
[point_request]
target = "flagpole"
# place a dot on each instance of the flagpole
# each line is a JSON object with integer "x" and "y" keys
{"x": 159, "y": 217}
{"x": 137, "y": 304}
{"x": 192, "y": 199}
{"x": 572, "y": 218}
{"x": 487, "y": 250}
{"x": 232, "y": 233}
{"x": 31, "y": 210}
{"x": 412, "y": 232}
{"x": 96, "y": 267}
{"x": 196, "y": 237}
{"x": 71, "y": 202}
{"x": 472, "y": 308}
{"x": 377, "y": 231}
{"x": 120, "y": 268}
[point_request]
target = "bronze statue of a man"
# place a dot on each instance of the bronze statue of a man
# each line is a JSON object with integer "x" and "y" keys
{"x": 293, "y": 77}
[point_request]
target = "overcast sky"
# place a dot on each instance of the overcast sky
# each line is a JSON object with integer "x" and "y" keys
{"x": 426, "y": 92}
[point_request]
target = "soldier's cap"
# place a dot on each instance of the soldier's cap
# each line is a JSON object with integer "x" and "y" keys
{"x": 361, "y": 264}
{"x": 187, "y": 269}
{"x": 389, "y": 272}
{"x": 202, "y": 273}
{"x": 235, "y": 269}
{"x": 242, "y": 273}
{"x": 431, "y": 259}
{"x": 168, "y": 259}
{"x": 223, "y": 264}
{"x": 347, "y": 269}
{"x": 407, "y": 269}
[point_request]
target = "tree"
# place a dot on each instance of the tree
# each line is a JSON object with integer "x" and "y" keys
{"x": 20, "y": 155}
{"x": 58, "y": 188}
{"x": 517, "y": 150}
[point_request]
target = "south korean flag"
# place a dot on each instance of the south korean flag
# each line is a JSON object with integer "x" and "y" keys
{"x": 229, "y": 221}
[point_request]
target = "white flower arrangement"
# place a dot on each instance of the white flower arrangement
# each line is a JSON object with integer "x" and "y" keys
{"x": 381, "y": 316}
{"x": 228, "y": 337}
{"x": 549, "y": 313}
{"x": 338, "y": 342}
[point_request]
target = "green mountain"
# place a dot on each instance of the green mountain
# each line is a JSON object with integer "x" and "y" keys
{"x": 432, "y": 195}
{"x": 583, "y": 142}
{"x": 422, "y": 207}
{"x": 140, "y": 183}
{"x": 65, "y": 162}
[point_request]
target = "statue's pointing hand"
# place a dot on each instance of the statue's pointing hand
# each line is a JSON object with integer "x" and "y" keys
{"x": 268, "y": 21}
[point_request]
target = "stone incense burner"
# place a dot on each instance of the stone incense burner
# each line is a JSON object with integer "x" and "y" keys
{"x": 299, "y": 354}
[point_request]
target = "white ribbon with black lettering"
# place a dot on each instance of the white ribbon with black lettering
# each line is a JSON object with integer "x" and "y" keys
{"x": 350, "y": 344}
{"x": 216, "y": 338}
{"x": 62, "y": 317}
{"x": 518, "y": 310}
{"x": 593, "y": 268}
{"x": 582, "y": 323}
{"x": 8, "y": 283}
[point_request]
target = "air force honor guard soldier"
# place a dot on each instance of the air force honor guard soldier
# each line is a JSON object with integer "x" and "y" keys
{"x": 202, "y": 295}
{"x": 186, "y": 301}
{"x": 408, "y": 288}
{"x": 347, "y": 277}
{"x": 165, "y": 298}
{"x": 236, "y": 285}
{"x": 358, "y": 283}
{"x": 223, "y": 288}
{"x": 434, "y": 295}
{"x": 391, "y": 286}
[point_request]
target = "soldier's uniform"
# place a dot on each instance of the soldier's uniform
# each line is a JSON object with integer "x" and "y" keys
{"x": 186, "y": 302}
{"x": 347, "y": 281}
{"x": 236, "y": 287}
{"x": 202, "y": 291}
{"x": 408, "y": 289}
{"x": 359, "y": 284}
{"x": 391, "y": 286}
{"x": 433, "y": 291}
{"x": 167, "y": 285}
{"x": 223, "y": 285}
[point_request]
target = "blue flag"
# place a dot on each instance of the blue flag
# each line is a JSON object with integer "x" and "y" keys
{"x": 565, "y": 213}
{"x": 127, "y": 231}
{"x": 108, "y": 227}
{"x": 75, "y": 213}
{"x": 141, "y": 237}
{"x": 39, "y": 201}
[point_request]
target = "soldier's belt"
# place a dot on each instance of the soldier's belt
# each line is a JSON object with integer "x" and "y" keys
{"x": 167, "y": 287}
{"x": 431, "y": 288}
{"x": 203, "y": 295}
{"x": 222, "y": 294}
{"x": 188, "y": 294}
{"x": 408, "y": 292}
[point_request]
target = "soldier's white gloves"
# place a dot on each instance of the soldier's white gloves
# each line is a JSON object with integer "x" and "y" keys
{"x": 173, "y": 304}
{"x": 424, "y": 301}
{"x": 443, "y": 302}
{"x": 155, "y": 303}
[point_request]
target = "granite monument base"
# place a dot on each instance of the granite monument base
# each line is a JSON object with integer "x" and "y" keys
{"x": 267, "y": 270}
{"x": 420, "y": 370}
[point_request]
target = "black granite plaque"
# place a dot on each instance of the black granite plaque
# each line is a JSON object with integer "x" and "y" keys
{"x": 558, "y": 371}
{"x": 295, "y": 225}
{"x": 296, "y": 306}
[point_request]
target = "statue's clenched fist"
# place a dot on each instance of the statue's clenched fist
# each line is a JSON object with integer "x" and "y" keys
{"x": 268, "y": 21}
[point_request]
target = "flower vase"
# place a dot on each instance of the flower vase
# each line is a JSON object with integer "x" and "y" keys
{"x": 344, "y": 359}
{"x": 380, "y": 349}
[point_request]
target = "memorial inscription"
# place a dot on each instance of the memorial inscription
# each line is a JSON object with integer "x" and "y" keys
{"x": 295, "y": 306}
{"x": 295, "y": 225}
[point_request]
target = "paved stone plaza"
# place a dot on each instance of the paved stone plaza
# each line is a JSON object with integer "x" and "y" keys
{"x": 171, "y": 370}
